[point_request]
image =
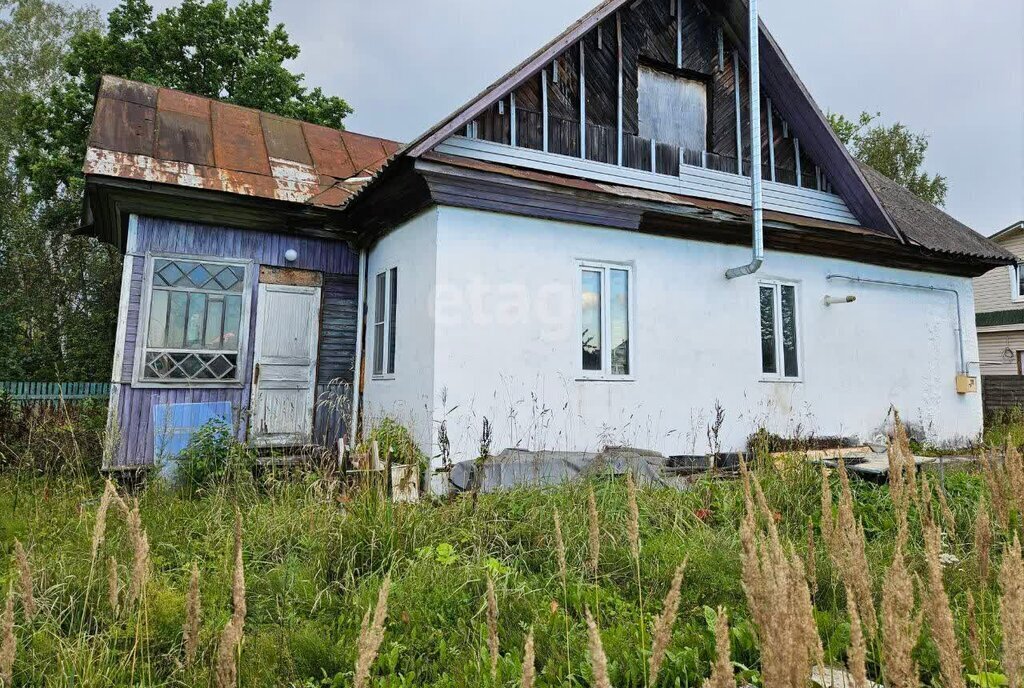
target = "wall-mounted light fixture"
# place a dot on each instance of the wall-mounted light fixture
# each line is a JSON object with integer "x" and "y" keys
{"x": 291, "y": 255}
{"x": 833, "y": 300}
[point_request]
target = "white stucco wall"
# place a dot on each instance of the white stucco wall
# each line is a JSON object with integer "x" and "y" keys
{"x": 406, "y": 396}
{"x": 506, "y": 342}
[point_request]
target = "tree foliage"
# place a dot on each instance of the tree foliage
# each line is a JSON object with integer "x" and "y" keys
{"x": 59, "y": 290}
{"x": 207, "y": 48}
{"x": 52, "y": 285}
{"x": 894, "y": 151}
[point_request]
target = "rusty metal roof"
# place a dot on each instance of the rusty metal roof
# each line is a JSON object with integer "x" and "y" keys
{"x": 164, "y": 136}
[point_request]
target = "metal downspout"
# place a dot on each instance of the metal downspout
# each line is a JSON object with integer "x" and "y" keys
{"x": 357, "y": 377}
{"x": 757, "y": 259}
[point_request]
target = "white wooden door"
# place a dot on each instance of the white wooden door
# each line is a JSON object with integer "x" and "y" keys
{"x": 284, "y": 374}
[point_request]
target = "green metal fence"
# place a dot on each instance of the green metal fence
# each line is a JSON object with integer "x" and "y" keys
{"x": 53, "y": 393}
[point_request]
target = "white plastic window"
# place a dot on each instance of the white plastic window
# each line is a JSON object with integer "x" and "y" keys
{"x": 780, "y": 355}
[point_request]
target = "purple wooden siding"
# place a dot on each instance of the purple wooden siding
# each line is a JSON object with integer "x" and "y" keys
{"x": 266, "y": 248}
{"x": 135, "y": 417}
{"x": 135, "y": 405}
{"x": 131, "y": 334}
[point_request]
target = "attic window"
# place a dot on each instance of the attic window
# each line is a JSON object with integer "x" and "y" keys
{"x": 673, "y": 109}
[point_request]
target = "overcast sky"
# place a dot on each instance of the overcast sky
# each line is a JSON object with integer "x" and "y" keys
{"x": 949, "y": 68}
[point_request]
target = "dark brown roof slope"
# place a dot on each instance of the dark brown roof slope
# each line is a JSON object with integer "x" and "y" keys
{"x": 927, "y": 226}
{"x": 160, "y": 135}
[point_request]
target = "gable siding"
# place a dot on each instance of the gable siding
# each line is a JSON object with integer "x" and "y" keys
{"x": 992, "y": 290}
{"x": 648, "y": 37}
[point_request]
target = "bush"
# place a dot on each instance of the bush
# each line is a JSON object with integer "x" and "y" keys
{"x": 213, "y": 457}
{"x": 394, "y": 440}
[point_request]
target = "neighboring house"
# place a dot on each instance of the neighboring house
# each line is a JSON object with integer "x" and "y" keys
{"x": 551, "y": 257}
{"x": 999, "y": 306}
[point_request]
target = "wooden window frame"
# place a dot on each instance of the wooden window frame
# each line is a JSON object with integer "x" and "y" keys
{"x": 605, "y": 374}
{"x": 139, "y": 379}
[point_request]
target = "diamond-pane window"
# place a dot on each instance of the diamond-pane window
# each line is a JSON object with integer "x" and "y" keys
{"x": 199, "y": 276}
{"x": 167, "y": 273}
{"x": 195, "y": 320}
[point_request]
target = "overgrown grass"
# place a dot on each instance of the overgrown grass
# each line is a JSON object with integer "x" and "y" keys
{"x": 65, "y": 438}
{"x": 1004, "y": 426}
{"x": 315, "y": 557}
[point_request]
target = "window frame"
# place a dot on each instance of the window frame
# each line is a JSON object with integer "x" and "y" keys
{"x": 139, "y": 379}
{"x": 605, "y": 374}
{"x": 1016, "y": 296}
{"x": 780, "y": 364}
{"x": 388, "y": 369}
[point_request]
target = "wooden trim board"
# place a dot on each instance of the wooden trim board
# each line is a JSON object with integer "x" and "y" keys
{"x": 290, "y": 277}
{"x": 692, "y": 181}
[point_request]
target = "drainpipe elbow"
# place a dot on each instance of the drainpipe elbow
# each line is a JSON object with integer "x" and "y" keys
{"x": 744, "y": 270}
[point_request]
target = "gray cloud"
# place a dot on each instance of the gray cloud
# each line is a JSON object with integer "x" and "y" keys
{"x": 952, "y": 69}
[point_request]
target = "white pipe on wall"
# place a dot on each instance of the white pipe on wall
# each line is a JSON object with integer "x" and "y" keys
{"x": 961, "y": 346}
{"x": 757, "y": 220}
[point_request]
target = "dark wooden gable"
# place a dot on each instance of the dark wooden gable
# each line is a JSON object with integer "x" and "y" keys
{"x": 712, "y": 50}
{"x": 697, "y": 49}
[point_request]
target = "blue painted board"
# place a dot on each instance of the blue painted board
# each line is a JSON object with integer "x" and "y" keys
{"x": 175, "y": 424}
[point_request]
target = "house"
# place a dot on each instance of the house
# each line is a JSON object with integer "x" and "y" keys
{"x": 567, "y": 259}
{"x": 999, "y": 306}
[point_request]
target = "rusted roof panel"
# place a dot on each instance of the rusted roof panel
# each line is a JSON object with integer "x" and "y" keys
{"x": 365, "y": 151}
{"x": 168, "y": 137}
{"x": 284, "y": 139}
{"x": 295, "y": 181}
{"x": 334, "y": 196}
{"x": 185, "y": 103}
{"x": 238, "y": 139}
{"x": 184, "y": 138}
{"x": 123, "y": 126}
{"x": 129, "y": 91}
{"x": 329, "y": 154}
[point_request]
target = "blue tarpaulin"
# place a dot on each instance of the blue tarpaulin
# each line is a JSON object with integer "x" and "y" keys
{"x": 174, "y": 425}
